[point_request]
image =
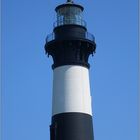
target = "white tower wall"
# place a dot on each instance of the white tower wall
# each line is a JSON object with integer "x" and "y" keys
{"x": 71, "y": 90}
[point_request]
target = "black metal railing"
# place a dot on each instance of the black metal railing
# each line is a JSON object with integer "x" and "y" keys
{"x": 88, "y": 36}
{"x": 50, "y": 37}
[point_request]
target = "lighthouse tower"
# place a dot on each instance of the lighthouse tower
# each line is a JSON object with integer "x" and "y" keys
{"x": 70, "y": 46}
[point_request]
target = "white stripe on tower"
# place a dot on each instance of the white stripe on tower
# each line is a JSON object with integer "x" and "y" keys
{"x": 71, "y": 90}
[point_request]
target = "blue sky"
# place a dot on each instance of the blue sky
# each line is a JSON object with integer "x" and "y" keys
{"x": 27, "y": 73}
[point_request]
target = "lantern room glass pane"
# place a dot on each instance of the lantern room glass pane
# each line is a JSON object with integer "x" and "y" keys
{"x": 69, "y": 15}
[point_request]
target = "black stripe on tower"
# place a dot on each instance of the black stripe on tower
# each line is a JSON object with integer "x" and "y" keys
{"x": 71, "y": 126}
{"x": 70, "y": 46}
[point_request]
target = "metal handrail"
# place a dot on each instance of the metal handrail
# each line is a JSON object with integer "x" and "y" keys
{"x": 88, "y": 36}
{"x": 50, "y": 37}
{"x": 69, "y": 21}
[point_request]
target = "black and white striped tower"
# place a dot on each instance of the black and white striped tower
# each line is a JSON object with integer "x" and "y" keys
{"x": 70, "y": 46}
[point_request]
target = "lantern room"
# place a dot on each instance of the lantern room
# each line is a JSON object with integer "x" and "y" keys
{"x": 69, "y": 13}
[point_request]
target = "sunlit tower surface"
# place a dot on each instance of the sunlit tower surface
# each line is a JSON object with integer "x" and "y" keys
{"x": 70, "y": 46}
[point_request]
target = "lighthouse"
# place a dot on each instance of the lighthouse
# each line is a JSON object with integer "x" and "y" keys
{"x": 70, "y": 46}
